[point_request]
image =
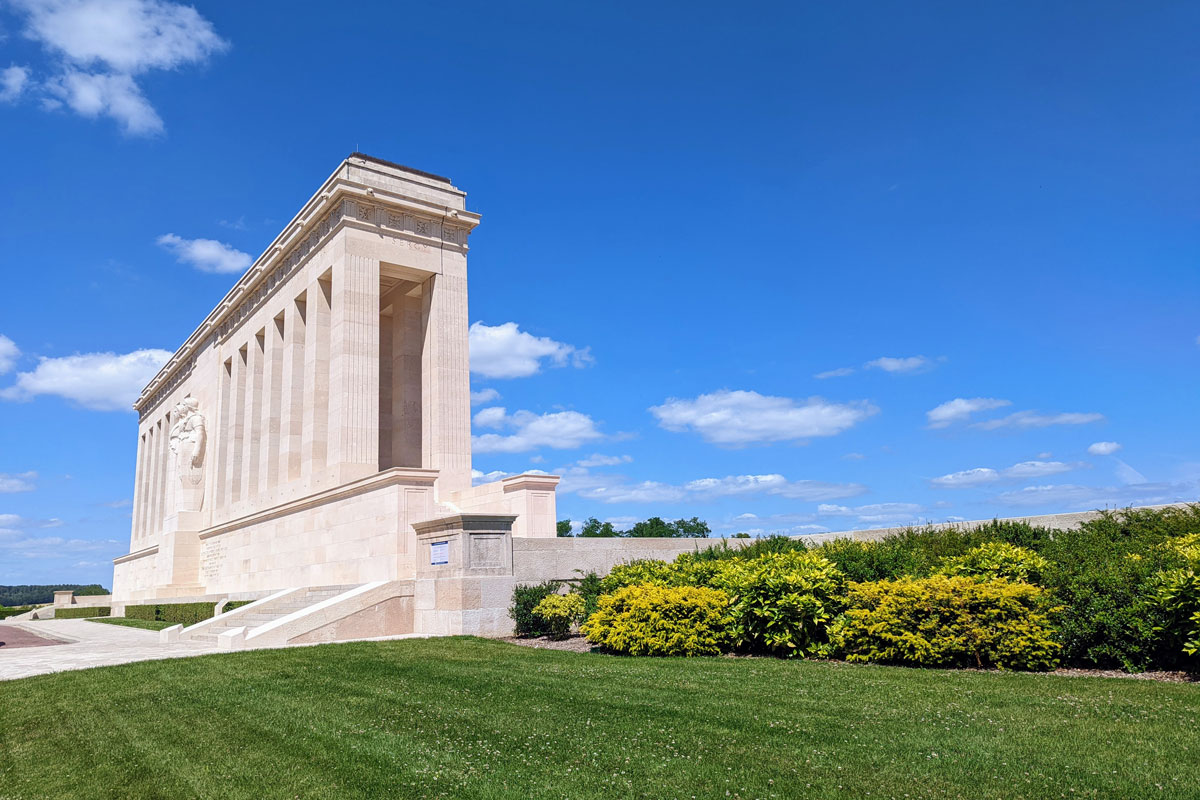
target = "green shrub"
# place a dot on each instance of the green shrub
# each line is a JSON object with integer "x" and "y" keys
{"x": 945, "y": 621}
{"x": 232, "y": 604}
{"x": 650, "y": 620}
{"x": 81, "y": 612}
{"x": 997, "y": 560}
{"x": 173, "y": 613}
{"x": 1105, "y": 577}
{"x": 1177, "y": 599}
{"x": 588, "y": 586}
{"x": 7, "y": 611}
{"x": 525, "y": 600}
{"x": 558, "y": 612}
{"x": 641, "y": 571}
{"x": 782, "y": 603}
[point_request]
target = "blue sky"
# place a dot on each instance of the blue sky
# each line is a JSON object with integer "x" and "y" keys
{"x": 784, "y": 268}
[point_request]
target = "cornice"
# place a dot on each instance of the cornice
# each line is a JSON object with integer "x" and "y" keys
{"x": 340, "y": 203}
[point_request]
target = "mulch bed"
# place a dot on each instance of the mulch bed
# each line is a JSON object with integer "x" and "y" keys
{"x": 11, "y": 637}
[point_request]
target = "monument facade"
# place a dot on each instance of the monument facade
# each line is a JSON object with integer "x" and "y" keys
{"x": 323, "y": 407}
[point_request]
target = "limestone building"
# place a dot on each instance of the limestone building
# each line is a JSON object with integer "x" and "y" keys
{"x": 309, "y": 445}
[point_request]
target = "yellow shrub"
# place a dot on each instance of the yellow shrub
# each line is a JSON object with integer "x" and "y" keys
{"x": 944, "y": 621}
{"x": 997, "y": 560}
{"x": 649, "y": 620}
{"x": 559, "y": 612}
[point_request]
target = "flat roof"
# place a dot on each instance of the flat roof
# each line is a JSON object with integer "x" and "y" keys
{"x": 394, "y": 165}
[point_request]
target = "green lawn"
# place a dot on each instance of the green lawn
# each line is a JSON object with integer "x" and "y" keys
{"x": 469, "y": 718}
{"x": 148, "y": 624}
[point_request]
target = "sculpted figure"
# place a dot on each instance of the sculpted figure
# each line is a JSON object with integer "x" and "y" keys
{"x": 188, "y": 439}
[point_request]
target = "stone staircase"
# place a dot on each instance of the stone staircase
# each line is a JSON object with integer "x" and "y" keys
{"x": 260, "y": 614}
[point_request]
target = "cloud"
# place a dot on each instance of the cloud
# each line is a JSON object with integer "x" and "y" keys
{"x": 736, "y": 418}
{"x": 484, "y": 396}
{"x": 13, "y": 82}
{"x": 96, "y": 47}
{"x": 960, "y": 409}
{"x": 618, "y": 489}
{"x": 506, "y": 351}
{"x": 1127, "y": 474}
{"x": 1103, "y": 448}
{"x": 562, "y": 430}
{"x": 875, "y": 514}
{"x": 11, "y": 484}
{"x": 979, "y": 476}
{"x": 116, "y": 96}
{"x": 99, "y": 381}
{"x": 1032, "y": 419}
{"x": 478, "y": 477}
{"x": 898, "y": 366}
{"x": 840, "y": 372}
{"x": 9, "y": 352}
{"x": 206, "y": 255}
{"x": 1072, "y": 497}
{"x": 597, "y": 460}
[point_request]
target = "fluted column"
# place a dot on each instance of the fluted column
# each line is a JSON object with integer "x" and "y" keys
{"x": 354, "y": 368}
{"x": 445, "y": 382}
{"x": 315, "y": 437}
{"x": 291, "y": 422}
{"x": 268, "y": 470}
{"x": 237, "y": 427}
{"x": 253, "y": 423}
{"x": 139, "y": 490}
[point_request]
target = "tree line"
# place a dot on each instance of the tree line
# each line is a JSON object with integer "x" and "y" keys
{"x": 693, "y": 528}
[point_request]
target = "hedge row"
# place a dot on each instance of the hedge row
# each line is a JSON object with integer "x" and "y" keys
{"x": 1121, "y": 591}
{"x": 174, "y": 613}
{"x": 77, "y": 612}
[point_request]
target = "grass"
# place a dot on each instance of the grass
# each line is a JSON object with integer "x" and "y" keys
{"x": 469, "y": 718}
{"x": 148, "y": 624}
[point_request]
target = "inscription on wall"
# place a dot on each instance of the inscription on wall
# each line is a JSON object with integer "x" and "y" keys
{"x": 212, "y": 557}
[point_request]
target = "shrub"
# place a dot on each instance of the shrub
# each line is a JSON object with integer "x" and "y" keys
{"x": 232, "y": 604}
{"x": 997, "y": 560}
{"x": 650, "y": 620}
{"x": 558, "y": 612}
{"x": 639, "y": 572}
{"x": 6, "y": 611}
{"x": 782, "y": 603}
{"x": 78, "y": 612}
{"x": 1177, "y": 598}
{"x": 945, "y": 621}
{"x": 588, "y": 586}
{"x": 525, "y": 600}
{"x": 174, "y": 613}
{"x": 1105, "y": 577}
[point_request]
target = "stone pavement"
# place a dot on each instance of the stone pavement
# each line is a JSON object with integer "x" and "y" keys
{"x": 15, "y": 636}
{"x": 89, "y": 644}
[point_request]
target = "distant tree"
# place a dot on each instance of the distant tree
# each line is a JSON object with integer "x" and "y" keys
{"x": 594, "y": 528}
{"x": 43, "y": 593}
{"x": 693, "y": 528}
{"x": 740, "y": 535}
{"x": 564, "y": 527}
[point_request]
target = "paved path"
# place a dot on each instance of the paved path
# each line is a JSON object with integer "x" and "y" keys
{"x": 14, "y": 636}
{"x": 89, "y": 644}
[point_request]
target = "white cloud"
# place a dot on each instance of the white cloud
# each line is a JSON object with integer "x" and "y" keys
{"x": 1072, "y": 497}
{"x": 206, "y": 255}
{"x": 875, "y": 514}
{"x": 13, "y": 82}
{"x": 979, "y": 476}
{"x": 617, "y": 489}
{"x": 853, "y": 457}
{"x": 840, "y": 372}
{"x": 598, "y": 460}
{"x": 506, "y": 351}
{"x": 99, "y": 381}
{"x": 9, "y": 352}
{"x": 960, "y": 409}
{"x": 1032, "y": 419}
{"x": 484, "y": 396}
{"x": 1103, "y": 448}
{"x": 901, "y": 365}
{"x": 21, "y": 482}
{"x": 966, "y": 478}
{"x": 737, "y": 418}
{"x": 116, "y": 96}
{"x": 1127, "y": 474}
{"x": 98, "y": 46}
{"x": 562, "y": 430}
{"x": 478, "y": 477}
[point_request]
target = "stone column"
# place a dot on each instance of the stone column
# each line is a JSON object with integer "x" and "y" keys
{"x": 446, "y": 382}
{"x": 237, "y": 429}
{"x": 354, "y": 369}
{"x": 268, "y": 470}
{"x": 291, "y": 422}
{"x": 253, "y": 416}
{"x": 315, "y": 445}
{"x": 139, "y": 492}
{"x": 408, "y": 343}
